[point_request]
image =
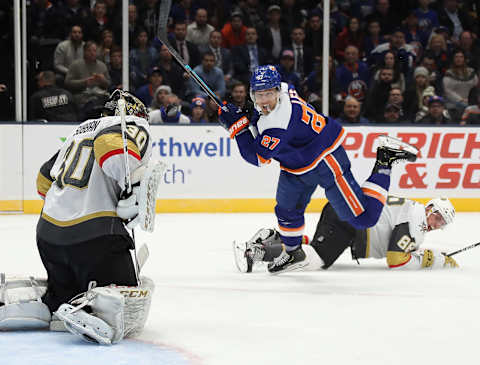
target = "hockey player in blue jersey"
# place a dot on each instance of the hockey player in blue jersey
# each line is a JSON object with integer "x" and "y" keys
{"x": 308, "y": 146}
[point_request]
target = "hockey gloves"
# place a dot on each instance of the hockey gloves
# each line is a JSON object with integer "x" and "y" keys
{"x": 234, "y": 119}
{"x": 127, "y": 208}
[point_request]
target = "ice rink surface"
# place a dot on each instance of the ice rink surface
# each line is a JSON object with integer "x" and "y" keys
{"x": 208, "y": 313}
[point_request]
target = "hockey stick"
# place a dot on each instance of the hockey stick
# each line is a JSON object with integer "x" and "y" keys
{"x": 128, "y": 180}
{"x": 463, "y": 249}
{"x": 164, "y": 11}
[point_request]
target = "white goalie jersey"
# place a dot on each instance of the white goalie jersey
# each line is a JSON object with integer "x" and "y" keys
{"x": 82, "y": 183}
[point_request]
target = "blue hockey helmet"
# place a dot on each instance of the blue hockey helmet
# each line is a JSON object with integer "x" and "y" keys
{"x": 265, "y": 77}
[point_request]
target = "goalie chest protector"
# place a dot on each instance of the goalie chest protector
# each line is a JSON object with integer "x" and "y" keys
{"x": 88, "y": 177}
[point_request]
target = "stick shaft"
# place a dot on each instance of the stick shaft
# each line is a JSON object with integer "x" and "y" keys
{"x": 464, "y": 249}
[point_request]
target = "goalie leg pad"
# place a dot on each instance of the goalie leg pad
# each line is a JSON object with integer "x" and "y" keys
{"x": 106, "y": 323}
{"x": 21, "y": 305}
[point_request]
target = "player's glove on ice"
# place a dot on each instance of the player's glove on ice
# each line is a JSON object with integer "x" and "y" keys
{"x": 233, "y": 119}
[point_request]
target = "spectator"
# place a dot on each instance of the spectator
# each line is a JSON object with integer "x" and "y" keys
{"x": 313, "y": 88}
{"x": 274, "y": 35}
{"x": 88, "y": 78}
{"x": 198, "y": 111}
{"x": 223, "y": 56}
{"x": 412, "y": 31}
{"x": 437, "y": 49}
{"x": 170, "y": 113}
{"x": 160, "y": 97}
{"x": 450, "y": 15}
{"x": 351, "y": 35}
{"x": 115, "y": 69}
{"x": 378, "y": 94}
{"x": 351, "y": 112}
{"x": 471, "y": 115}
{"x": 457, "y": 83}
{"x": 392, "y": 114}
{"x": 187, "y": 50}
{"x": 43, "y": 16}
{"x": 385, "y": 16}
{"x": 96, "y": 23}
{"x": 69, "y": 51}
{"x": 414, "y": 93}
{"x": 50, "y": 102}
{"x": 427, "y": 93}
{"x": 427, "y": 18}
{"x": 173, "y": 74}
{"x": 436, "y": 115}
{"x": 390, "y": 61}
{"x": 405, "y": 55}
{"x": 253, "y": 13}
{"x": 146, "y": 92}
{"x": 395, "y": 96}
{"x": 149, "y": 17}
{"x": 133, "y": 27}
{"x": 213, "y": 77}
{"x": 353, "y": 76}
{"x": 247, "y": 57}
{"x": 199, "y": 31}
{"x": 239, "y": 95}
{"x": 105, "y": 47}
{"x": 182, "y": 11}
{"x": 373, "y": 38}
{"x": 285, "y": 68}
{"x": 234, "y": 32}
{"x": 433, "y": 74}
{"x": 142, "y": 59}
{"x": 72, "y": 13}
{"x": 470, "y": 49}
{"x": 303, "y": 54}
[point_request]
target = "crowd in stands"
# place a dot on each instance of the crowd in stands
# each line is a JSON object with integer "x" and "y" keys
{"x": 408, "y": 61}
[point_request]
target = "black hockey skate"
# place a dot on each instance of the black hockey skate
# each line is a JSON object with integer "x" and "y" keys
{"x": 247, "y": 253}
{"x": 392, "y": 150}
{"x": 288, "y": 261}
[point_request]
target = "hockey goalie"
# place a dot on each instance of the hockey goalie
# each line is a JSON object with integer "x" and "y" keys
{"x": 93, "y": 288}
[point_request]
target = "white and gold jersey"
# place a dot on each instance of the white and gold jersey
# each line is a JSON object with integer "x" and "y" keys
{"x": 399, "y": 232}
{"x": 82, "y": 183}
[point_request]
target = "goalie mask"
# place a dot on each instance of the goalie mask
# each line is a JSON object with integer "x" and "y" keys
{"x": 133, "y": 105}
{"x": 444, "y": 208}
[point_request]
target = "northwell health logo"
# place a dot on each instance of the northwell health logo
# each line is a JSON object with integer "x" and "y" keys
{"x": 171, "y": 147}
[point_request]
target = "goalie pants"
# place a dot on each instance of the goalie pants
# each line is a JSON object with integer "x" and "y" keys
{"x": 70, "y": 268}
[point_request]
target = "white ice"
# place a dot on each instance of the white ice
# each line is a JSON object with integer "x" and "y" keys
{"x": 349, "y": 314}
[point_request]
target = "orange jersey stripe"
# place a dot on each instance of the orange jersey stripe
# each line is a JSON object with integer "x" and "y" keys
{"x": 262, "y": 160}
{"x": 344, "y": 187}
{"x": 315, "y": 162}
{"x": 375, "y": 194}
{"x": 291, "y": 229}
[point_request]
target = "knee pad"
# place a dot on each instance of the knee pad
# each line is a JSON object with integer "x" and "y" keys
{"x": 21, "y": 305}
{"x": 332, "y": 236}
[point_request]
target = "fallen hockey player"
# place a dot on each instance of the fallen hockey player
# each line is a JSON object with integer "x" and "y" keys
{"x": 397, "y": 236}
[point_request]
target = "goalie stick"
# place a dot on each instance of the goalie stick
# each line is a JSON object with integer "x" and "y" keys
{"x": 128, "y": 180}
{"x": 164, "y": 11}
{"x": 463, "y": 249}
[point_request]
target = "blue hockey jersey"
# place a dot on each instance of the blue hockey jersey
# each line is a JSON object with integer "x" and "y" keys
{"x": 293, "y": 134}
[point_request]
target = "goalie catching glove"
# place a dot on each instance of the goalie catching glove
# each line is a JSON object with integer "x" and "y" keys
{"x": 139, "y": 207}
{"x": 234, "y": 119}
